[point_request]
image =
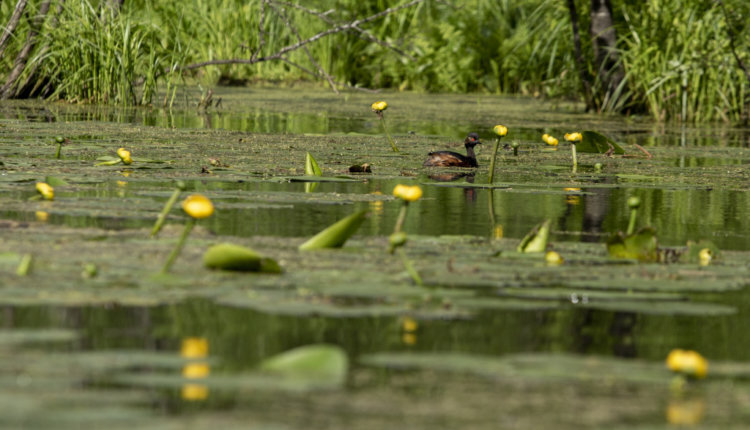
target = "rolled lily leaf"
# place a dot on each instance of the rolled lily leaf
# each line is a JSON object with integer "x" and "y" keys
{"x": 320, "y": 363}
{"x": 336, "y": 234}
{"x": 536, "y": 240}
{"x": 311, "y": 166}
{"x": 227, "y": 256}
{"x": 641, "y": 245}
{"x": 597, "y": 143}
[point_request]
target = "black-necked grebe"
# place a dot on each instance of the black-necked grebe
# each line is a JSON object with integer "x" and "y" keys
{"x": 454, "y": 159}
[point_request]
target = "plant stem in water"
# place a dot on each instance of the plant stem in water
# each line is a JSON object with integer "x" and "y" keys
{"x": 492, "y": 160}
{"x": 165, "y": 211}
{"x": 410, "y": 268}
{"x": 575, "y": 159}
{"x": 178, "y": 248}
{"x": 631, "y": 224}
{"x": 387, "y": 134}
{"x": 401, "y": 217}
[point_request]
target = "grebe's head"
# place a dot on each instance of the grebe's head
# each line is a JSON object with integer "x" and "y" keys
{"x": 472, "y": 139}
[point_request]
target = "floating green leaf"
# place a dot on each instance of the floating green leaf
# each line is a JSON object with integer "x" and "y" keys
{"x": 336, "y": 235}
{"x": 536, "y": 240}
{"x": 640, "y": 246}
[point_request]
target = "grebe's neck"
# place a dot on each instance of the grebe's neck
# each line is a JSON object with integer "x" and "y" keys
{"x": 470, "y": 152}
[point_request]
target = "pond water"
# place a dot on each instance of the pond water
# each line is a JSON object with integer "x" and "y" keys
{"x": 494, "y": 339}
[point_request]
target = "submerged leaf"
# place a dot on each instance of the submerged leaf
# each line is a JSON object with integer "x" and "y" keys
{"x": 336, "y": 235}
{"x": 320, "y": 362}
{"x": 594, "y": 142}
{"x": 536, "y": 240}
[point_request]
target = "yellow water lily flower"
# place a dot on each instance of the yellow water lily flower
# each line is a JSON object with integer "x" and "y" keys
{"x": 705, "y": 256}
{"x": 379, "y": 106}
{"x": 549, "y": 140}
{"x": 124, "y": 155}
{"x": 500, "y": 130}
{"x": 198, "y": 206}
{"x": 553, "y": 258}
{"x": 408, "y": 193}
{"x": 687, "y": 362}
{"x": 573, "y": 137}
{"x": 45, "y": 190}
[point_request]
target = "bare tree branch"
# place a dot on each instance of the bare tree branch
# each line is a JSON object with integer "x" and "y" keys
{"x": 363, "y": 33}
{"x": 279, "y": 55}
{"x": 307, "y": 51}
{"x": 12, "y": 24}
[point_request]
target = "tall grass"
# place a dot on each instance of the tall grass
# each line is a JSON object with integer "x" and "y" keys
{"x": 675, "y": 53}
{"x": 679, "y": 64}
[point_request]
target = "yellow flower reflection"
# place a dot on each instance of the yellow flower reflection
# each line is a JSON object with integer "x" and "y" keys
{"x": 408, "y": 193}
{"x": 195, "y": 348}
{"x": 41, "y": 216}
{"x": 685, "y": 412}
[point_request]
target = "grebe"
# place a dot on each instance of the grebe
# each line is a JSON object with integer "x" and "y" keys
{"x": 454, "y": 159}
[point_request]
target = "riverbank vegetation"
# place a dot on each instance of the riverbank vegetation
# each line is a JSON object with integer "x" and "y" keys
{"x": 683, "y": 60}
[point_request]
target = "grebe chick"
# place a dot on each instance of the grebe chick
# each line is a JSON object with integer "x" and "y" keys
{"x": 454, "y": 159}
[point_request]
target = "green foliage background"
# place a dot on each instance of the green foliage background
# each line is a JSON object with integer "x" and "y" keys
{"x": 676, "y": 53}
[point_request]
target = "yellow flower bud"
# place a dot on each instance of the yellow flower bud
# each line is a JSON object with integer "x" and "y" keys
{"x": 500, "y": 130}
{"x": 687, "y": 362}
{"x": 408, "y": 193}
{"x": 549, "y": 140}
{"x": 705, "y": 256}
{"x": 553, "y": 258}
{"x": 45, "y": 190}
{"x": 379, "y": 106}
{"x": 198, "y": 206}
{"x": 124, "y": 155}
{"x": 573, "y": 137}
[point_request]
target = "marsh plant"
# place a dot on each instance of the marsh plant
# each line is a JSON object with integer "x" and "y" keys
{"x": 196, "y": 206}
{"x": 179, "y": 187}
{"x": 574, "y": 138}
{"x": 398, "y": 238}
{"x": 378, "y": 108}
{"x": 500, "y": 131}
